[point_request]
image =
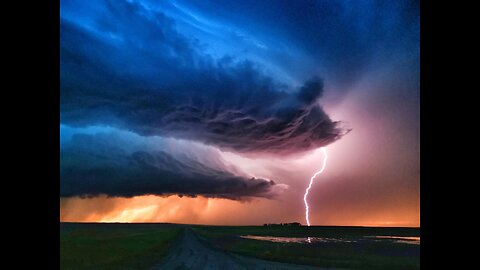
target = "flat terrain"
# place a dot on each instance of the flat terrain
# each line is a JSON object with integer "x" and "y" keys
{"x": 338, "y": 247}
{"x": 114, "y": 246}
{"x": 170, "y": 246}
{"x": 190, "y": 253}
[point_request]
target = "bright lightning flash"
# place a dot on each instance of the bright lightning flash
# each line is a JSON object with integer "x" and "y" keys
{"x": 311, "y": 182}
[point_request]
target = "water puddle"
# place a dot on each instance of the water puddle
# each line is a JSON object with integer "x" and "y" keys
{"x": 414, "y": 240}
{"x": 309, "y": 240}
{"x": 297, "y": 239}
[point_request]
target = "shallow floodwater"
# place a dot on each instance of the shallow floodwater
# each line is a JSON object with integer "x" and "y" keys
{"x": 297, "y": 239}
{"x": 309, "y": 240}
{"x": 415, "y": 240}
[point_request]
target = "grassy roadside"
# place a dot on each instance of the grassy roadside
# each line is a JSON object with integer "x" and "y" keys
{"x": 362, "y": 255}
{"x": 114, "y": 246}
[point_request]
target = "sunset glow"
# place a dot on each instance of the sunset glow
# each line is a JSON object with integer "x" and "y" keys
{"x": 199, "y": 210}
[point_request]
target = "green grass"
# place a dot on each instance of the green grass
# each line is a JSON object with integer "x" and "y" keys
{"x": 114, "y": 246}
{"x": 360, "y": 255}
{"x": 141, "y": 246}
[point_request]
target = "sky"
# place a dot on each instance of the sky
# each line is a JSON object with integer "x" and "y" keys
{"x": 214, "y": 112}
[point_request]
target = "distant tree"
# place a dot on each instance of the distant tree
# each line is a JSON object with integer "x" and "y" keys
{"x": 283, "y": 224}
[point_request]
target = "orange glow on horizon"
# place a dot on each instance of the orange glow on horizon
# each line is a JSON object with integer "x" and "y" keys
{"x": 209, "y": 211}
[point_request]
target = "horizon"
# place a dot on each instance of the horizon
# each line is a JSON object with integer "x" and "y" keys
{"x": 252, "y": 225}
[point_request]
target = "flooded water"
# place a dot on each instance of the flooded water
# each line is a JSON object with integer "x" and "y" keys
{"x": 309, "y": 240}
{"x": 415, "y": 240}
{"x": 296, "y": 239}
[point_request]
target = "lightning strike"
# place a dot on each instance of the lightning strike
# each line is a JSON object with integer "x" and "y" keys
{"x": 311, "y": 182}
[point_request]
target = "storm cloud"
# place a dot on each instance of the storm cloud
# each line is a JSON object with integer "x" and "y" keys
{"x": 215, "y": 98}
{"x": 106, "y": 161}
{"x": 127, "y": 66}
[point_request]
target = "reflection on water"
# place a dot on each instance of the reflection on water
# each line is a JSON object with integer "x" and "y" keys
{"x": 415, "y": 240}
{"x": 296, "y": 239}
{"x": 309, "y": 240}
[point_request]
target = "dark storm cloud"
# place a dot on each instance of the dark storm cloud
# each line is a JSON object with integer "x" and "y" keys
{"x": 125, "y": 64}
{"x": 311, "y": 91}
{"x": 119, "y": 163}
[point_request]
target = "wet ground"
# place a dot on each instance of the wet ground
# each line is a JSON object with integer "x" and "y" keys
{"x": 190, "y": 253}
{"x": 311, "y": 240}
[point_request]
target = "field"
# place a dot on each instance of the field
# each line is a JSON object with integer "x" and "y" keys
{"x": 114, "y": 246}
{"x": 143, "y": 246}
{"x": 345, "y": 247}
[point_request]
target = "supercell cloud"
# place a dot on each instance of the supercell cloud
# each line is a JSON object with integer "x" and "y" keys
{"x": 152, "y": 71}
{"x": 129, "y": 67}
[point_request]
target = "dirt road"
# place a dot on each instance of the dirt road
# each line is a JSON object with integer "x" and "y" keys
{"x": 189, "y": 253}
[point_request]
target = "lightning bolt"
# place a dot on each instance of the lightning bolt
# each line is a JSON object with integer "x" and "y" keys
{"x": 311, "y": 182}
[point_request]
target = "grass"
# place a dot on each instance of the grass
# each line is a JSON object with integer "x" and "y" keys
{"x": 114, "y": 246}
{"x": 142, "y": 246}
{"x": 360, "y": 255}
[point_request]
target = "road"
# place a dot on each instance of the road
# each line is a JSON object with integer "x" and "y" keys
{"x": 190, "y": 253}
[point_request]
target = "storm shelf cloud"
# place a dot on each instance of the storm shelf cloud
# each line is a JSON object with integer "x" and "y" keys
{"x": 126, "y": 65}
{"x": 122, "y": 164}
{"x": 182, "y": 93}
